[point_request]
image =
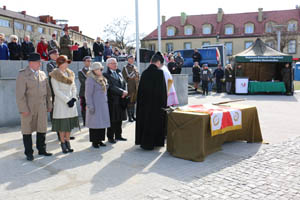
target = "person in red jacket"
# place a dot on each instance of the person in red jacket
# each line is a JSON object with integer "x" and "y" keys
{"x": 42, "y": 48}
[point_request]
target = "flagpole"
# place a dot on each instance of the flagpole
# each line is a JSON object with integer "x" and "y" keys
{"x": 137, "y": 48}
{"x": 158, "y": 25}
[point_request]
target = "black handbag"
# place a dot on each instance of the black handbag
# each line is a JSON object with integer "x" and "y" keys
{"x": 124, "y": 102}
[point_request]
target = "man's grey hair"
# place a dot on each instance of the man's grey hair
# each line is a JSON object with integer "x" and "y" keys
{"x": 110, "y": 60}
{"x": 2, "y": 35}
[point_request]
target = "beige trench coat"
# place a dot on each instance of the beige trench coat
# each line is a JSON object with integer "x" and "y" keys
{"x": 33, "y": 95}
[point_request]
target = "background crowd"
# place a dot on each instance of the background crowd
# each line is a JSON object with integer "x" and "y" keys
{"x": 16, "y": 50}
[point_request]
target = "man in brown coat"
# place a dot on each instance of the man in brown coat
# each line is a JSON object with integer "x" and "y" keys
{"x": 131, "y": 76}
{"x": 33, "y": 97}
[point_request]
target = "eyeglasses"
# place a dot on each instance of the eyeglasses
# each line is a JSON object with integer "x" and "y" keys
{"x": 88, "y": 61}
{"x": 15, "y": 39}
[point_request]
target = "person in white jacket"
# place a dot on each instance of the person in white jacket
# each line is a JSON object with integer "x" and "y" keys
{"x": 65, "y": 116}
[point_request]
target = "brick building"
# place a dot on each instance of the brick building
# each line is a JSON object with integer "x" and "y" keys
{"x": 236, "y": 31}
{"x": 21, "y": 24}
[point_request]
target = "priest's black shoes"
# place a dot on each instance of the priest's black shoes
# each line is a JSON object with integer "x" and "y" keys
{"x": 102, "y": 144}
{"x": 45, "y": 153}
{"x": 95, "y": 145}
{"x": 121, "y": 139}
{"x": 112, "y": 141}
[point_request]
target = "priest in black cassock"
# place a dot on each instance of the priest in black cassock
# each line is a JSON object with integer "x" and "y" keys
{"x": 151, "y": 119}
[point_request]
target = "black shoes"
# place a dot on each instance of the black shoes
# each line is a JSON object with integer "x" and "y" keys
{"x": 72, "y": 138}
{"x": 95, "y": 145}
{"x": 30, "y": 158}
{"x": 64, "y": 147}
{"x": 69, "y": 147}
{"x": 45, "y": 153}
{"x": 112, "y": 141}
{"x": 121, "y": 139}
{"x": 102, "y": 144}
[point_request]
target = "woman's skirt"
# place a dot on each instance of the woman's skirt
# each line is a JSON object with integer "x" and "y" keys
{"x": 65, "y": 125}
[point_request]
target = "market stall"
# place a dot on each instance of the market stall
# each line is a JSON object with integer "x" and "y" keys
{"x": 262, "y": 66}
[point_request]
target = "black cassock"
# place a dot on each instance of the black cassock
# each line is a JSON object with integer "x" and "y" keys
{"x": 151, "y": 121}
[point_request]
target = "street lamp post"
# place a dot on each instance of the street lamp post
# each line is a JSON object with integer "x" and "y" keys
{"x": 158, "y": 25}
{"x": 137, "y": 43}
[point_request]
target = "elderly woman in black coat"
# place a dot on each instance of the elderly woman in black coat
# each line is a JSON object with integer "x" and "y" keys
{"x": 15, "y": 49}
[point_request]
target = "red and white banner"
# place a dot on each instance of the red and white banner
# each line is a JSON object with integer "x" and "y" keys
{"x": 222, "y": 118}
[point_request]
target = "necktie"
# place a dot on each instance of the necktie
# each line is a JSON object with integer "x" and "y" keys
{"x": 115, "y": 75}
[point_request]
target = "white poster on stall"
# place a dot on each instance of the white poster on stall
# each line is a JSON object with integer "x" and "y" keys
{"x": 241, "y": 85}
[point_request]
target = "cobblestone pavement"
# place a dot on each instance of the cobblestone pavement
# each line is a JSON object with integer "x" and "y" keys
{"x": 123, "y": 171}
{"x": 273, "y": 173}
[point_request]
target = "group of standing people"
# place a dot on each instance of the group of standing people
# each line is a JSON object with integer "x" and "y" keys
{"x": 205, "y": 76}
{"x": 104, "y": 98}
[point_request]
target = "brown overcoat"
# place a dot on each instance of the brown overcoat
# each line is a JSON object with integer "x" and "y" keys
{"x": 131, "y": 76}
{"x": 33, "y": 95}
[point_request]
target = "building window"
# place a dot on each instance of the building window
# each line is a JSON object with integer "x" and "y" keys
{"x": 206, "y": 29}
{"x": 40, "y": 30}
{"x": 292, "y": 46}
{"x": 229, "y": 29}
{"x": 205, "y": 43}
{"x": 188, "y": 30}
{"x": 29, "y": 28}
{"x": 19, "y": 26}
{"x": 229, "y": 48}
{"x": 4, "y": 23}
{"x": 292, "y": 26}
{"x": 249, "y": 28}
{"x": 271, "y": 44}
{"x": 248, "y": 44}
{"x": 269, "y": 27}
{"x": 187, "y": 45}
{"x": 169, "y": 47}
{"x": 152, "y": 47}
{"x": 170, "y": 31}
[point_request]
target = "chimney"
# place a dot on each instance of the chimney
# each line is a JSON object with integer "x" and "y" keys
{"x": 4, "y": 7}
{"x": 183, "y": 18}
{"x": 163, "y": 19}
{"x": 220, "y": 15}
{"x": 23, "y": 12}
{"x": 260, "y": 14}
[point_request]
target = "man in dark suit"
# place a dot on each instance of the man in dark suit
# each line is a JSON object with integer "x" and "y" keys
{"x": 116, "y": 94}
{"x": 84, "y": 51}
{"x": 27, "y": 47}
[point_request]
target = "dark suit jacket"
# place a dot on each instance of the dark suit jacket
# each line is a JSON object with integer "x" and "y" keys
{"x": 27, "y": 48}
{"x": 114, "y": 94}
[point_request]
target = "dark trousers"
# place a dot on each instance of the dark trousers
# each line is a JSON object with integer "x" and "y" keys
{"x": 219, "y": 85}
{"x": 205, "y": 87}
{"x": 83, "y": 110}
{"x": 51, "y": 117}
{"x": 40, "y": 143}
{"x": 97, "y": 135}
{"x": 287, "y": 86}
{"x": 115, "y": 130}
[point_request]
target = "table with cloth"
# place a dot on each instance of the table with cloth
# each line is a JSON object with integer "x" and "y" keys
{"x": 190, "y": 135}
{"x": 256, "y": 87}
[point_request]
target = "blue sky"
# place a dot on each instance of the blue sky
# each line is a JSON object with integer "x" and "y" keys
{"x": 93, "y": 15}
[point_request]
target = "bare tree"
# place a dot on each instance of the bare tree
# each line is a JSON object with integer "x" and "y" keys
{"x": 287, "y": 34}
{"x": 117, "y": 31}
